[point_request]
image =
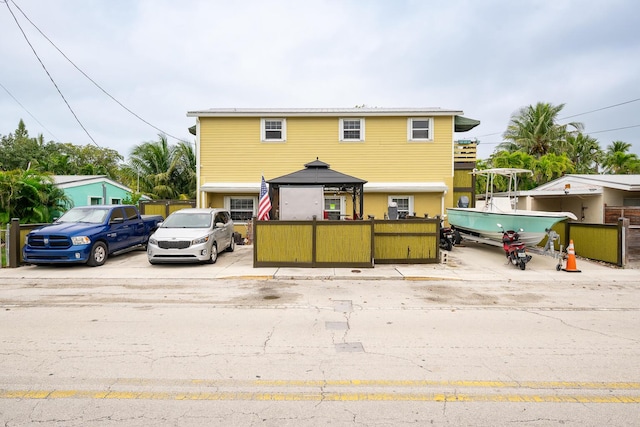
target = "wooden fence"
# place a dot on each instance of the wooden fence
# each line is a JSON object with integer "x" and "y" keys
{"x": 360, "y": 244}
{"x": 164, "y": 207}
{"x": 601, "y": 242}
{"x": 613, "y": 213}
{"x": 349, "y": 244}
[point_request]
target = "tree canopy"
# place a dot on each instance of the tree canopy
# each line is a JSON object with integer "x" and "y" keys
{"x": 535, "y": 140}
{"x": 19, "y": 151}
{"x": 27, "y": 164}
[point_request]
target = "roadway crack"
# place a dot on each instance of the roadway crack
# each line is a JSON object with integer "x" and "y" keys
{"x": 570, "y": 325}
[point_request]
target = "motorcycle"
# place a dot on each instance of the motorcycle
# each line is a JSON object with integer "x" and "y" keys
{"x": 514, "y": 249}
{"x": 449, "y": 236}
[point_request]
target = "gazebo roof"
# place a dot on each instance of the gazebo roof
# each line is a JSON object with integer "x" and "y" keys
{"x": 317, "y": 172}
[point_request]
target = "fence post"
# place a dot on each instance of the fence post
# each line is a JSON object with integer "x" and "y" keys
{"x": 314, "y": 240}
{"x": 623, "y": 241}
{"x": 13, "y": 243}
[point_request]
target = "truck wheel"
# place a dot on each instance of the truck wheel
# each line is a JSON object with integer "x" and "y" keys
{"x": 98, "y": 254}
{"x": 214, "y": 254}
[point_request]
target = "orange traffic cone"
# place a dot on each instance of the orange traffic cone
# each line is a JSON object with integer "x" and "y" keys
{"x": 571, "y": 259}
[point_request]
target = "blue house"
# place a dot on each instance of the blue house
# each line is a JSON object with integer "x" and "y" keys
{"x": 85, "y": 190}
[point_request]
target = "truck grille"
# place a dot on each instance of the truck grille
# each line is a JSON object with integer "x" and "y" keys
{"x": 174, "y": 244}
{"x": 52, "y": 241}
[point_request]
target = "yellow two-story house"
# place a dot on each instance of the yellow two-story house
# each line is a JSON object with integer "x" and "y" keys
{"x": 406, "y": 155}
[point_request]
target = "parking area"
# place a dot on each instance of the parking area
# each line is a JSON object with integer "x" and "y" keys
{"x": 469, "y": 261}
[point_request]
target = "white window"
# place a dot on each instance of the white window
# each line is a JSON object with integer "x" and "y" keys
{"x": 351, "y": 129}
{"x": 116, "y": 201}
{"x": 404, "y": 203}
{"x": 242, "y": 209}
{"x": 95, "y": 200}
{"x": 420, "y": 129}
{"x": 273, "y": 129}
{"x": 334, "y": 207}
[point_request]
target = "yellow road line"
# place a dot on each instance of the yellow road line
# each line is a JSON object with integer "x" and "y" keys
{"x": 315, "y": 396}
{"x": 452, "y": 383}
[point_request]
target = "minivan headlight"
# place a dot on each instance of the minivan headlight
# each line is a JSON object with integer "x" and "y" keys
{"x": 200, "y": 240}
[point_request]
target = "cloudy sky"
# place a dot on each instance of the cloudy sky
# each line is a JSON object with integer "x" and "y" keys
{"x": 162, "y": 58}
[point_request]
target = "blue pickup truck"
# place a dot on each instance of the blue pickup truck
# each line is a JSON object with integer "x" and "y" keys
{"x": 89, "y": 234}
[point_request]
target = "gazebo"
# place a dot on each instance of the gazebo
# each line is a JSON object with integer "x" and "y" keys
{"x": 318, "y": 173}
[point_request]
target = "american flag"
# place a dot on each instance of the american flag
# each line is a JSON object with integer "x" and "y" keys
{"x": 264, "y": 205}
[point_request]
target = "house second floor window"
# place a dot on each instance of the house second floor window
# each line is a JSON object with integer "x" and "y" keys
{"x": 273, "y": 129}
{"x": 420, "y": 129}
{"x": 351, "y": 129}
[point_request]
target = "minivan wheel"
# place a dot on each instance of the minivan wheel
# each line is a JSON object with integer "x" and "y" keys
{"x": 214, "y": 254}
{"x": 232, "y": 245}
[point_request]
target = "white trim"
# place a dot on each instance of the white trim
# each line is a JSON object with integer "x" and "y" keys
{"x": 618, "y": 182}
{"x": 410, "y": 210}
{"x": 430, "y": 128}
{"x": 71, "y": 181}
{"x": 369, "y": 187}
{"x": 231, "y": 187}
{"x": 342, "y": 199}
{"x": 94, "y": 197}
{"x": 323, "y": 112}
{"x": 405, "y": 187}
{"x": 200, "y": 196}
{"x": 263, "y": 130}
{"x": 227, "y": 205}
{"x": 341, "y": 131}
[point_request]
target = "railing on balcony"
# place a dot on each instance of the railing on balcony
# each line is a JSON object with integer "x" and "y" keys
{"x": 464, "y": 151}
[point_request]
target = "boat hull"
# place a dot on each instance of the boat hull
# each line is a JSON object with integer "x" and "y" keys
{"x": 485, "y": 224}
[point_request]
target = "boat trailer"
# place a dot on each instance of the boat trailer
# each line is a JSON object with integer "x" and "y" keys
{"x": 548, "y": 250}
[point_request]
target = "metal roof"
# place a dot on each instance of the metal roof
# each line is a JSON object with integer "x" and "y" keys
{"x": 590, "y": 183}
{"x": 323, "y": 112}
{"x": 69, "y": 181}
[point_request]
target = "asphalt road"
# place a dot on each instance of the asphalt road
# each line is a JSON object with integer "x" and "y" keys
{"x": 470, "y": 342}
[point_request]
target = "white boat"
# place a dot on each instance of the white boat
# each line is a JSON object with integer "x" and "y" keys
{"x": 502, "y": 209}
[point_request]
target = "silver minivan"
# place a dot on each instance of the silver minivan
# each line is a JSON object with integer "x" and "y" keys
{"x": 192, "y": 235}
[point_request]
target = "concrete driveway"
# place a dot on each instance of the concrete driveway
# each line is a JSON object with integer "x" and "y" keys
{"x": 469, "y": 261}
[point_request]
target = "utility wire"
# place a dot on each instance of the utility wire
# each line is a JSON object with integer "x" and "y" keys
{"x": 611, "y": 130}
{"x": 581, "y": 114}
{"x": 92, "y": 81}
{"x": 600, "y": 109}
{"x": 50, "y": 77}
{"x": 586, "y": 133}
{"x": 29, "y": 112}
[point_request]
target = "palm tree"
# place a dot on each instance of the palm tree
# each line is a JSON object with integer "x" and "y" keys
{"x": 163, "y": 171}
{"x": 618, "y": 160}
{"x": 534, "y": 130}
{"x": 505, "y": 159}
{"x": 151, "y": 161}
{"x": 551, "y": 166}
{"x": 184, "y": 162}
{"x": 31, "y": 196}
{"x": 585, "y": 153}
{"x": 618, "y": 146}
